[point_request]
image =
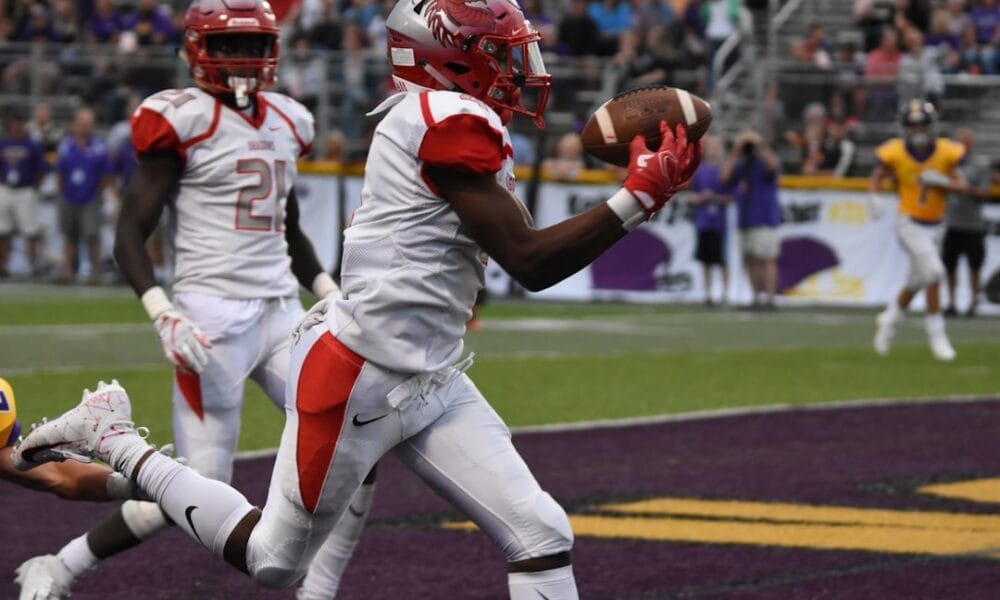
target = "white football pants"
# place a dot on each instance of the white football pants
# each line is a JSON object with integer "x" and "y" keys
{"x": 207, "y": 406}
{"x": 344, "y": 413}
{"x": 922, "y": 244}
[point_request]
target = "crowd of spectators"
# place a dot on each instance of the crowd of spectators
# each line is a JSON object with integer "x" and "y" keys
{"x": 900, "y": 50}
{"x": 106, "y": 50}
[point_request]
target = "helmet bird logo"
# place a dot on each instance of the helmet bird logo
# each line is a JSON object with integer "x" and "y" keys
{"x": 460, "y": 13}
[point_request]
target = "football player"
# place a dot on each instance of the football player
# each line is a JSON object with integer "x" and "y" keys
{"x": 379, "y": 369}
{"x": 222, "y": 156}
{"x": 924, "y": 169}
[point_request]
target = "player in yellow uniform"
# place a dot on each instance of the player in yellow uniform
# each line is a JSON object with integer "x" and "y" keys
{"x": 70, "y": 479}
{"x": 924, "y": 170}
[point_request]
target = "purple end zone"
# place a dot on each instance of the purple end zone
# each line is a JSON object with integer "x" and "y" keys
{"x": 872, "y": 457}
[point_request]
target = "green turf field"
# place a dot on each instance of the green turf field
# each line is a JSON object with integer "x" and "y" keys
{"x": 537, "y": 363}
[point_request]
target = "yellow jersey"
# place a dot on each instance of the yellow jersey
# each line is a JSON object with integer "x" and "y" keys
{"x": 924, "y": 204}
{"x": 9, "y": 427}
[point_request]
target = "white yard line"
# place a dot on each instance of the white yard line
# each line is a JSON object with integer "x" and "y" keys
{"x": 704, "y": 415}
{"x": 69, "y": 369}
{"x": 76, "y": 330}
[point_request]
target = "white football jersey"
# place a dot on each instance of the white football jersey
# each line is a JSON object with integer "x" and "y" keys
{"x": 410, "y": 274}
{"x": 230, "y": 205}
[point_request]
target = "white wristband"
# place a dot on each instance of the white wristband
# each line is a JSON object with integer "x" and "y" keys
{"x": 155, "y": 301}
{"x": 627, "y": 208}
{"x": 323, "y": 285}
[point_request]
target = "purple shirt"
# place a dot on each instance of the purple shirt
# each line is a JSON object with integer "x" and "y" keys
{"x": 81, "y": 169}
{"x": 152, "y": 23}
{"x": 105, "y": 27}
{"x": 125, "y": 162}
{"x": 986, "y": 21}
{"x": 709, "y": 216}
{"x": 22, "y": 162}
{"x": 756, "y": 194}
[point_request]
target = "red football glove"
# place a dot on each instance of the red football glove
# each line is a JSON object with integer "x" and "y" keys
{"x": 654, "y": 177}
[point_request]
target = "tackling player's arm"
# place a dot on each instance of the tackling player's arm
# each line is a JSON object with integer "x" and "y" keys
{"x": 539, "y": 258}
{"x": 71, "y": 480}
{"x": 305, "y": 265}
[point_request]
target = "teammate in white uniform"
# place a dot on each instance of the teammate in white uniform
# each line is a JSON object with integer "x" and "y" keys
{"x": 223, "y": 157}
{"x": 376, "y": 370}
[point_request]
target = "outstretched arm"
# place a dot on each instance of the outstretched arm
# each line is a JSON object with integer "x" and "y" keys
{"x": 539, "y": 258}
{"x": 71, "y": 480}
{"x": 536, "y": 258}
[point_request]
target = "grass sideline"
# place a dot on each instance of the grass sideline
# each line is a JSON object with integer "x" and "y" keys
{"x": 538, "y": 363}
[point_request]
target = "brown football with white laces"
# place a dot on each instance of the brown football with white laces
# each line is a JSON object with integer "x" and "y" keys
{"x": 638, "y": 112}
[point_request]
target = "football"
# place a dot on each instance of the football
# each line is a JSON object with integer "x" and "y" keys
{"x": 638, "y": 112}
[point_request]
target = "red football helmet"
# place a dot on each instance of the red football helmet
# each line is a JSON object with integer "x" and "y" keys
{"x": 484, "y": 48}
{"x": 231, "y": 46}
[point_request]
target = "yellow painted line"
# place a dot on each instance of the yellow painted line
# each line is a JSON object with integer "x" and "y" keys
{"x": 792, "y": 525}
{"x": 978, "y": 490}
{"x": 785, "y": 512}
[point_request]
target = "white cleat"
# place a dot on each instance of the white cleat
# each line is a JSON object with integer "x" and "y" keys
{"x": 885, "y": 329}
{"x": 78, "y": 434}
{"x": 941, "y": 347}
{"x": 43, "y": 578}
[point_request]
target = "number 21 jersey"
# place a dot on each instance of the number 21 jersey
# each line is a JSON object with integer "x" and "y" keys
{"x": 230, "y": 204}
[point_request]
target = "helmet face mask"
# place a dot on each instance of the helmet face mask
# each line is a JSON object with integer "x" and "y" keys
{"x": 231, "y": 46}
{"x": 484, "y": 49}
{"x": 918, "y": 120}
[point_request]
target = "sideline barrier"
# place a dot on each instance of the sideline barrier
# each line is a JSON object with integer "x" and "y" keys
{"x": 832, "y": 253}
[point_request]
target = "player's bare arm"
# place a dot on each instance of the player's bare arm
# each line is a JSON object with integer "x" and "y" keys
{"x": 539, "y": 258}
{"x": 536, "y": 258}
{"x": 145, "y": 196}
{"x": 70, "y": 479}
{"x": 305, "y": 265}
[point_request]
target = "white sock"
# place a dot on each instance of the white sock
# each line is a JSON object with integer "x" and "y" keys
{"x": 205, "y": 509}
{"x": 77, "y": 557}
{"x": 934, "y": 323}
{"x": 122, "y": 448}
{"x": 554, "y": 584}
{"x": 323, "y": 578}
{"x": 892, "y": 311}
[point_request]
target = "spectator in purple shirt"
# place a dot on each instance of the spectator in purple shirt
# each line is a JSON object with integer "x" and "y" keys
{"x": 83, "y": 165}
{"x": 985, "y": 19}
{"x": 151, "y": 26}
{"x": 710, "y": 197}
{"x": 752, "y": 168}
{"x": 105, "y": 22}
{"x": 22, "y": 165}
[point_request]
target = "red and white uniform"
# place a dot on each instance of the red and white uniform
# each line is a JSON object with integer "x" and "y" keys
{"x": 232, "y": 269}
{"x": 380, "y": 375}
{"x": 410, "y": 273}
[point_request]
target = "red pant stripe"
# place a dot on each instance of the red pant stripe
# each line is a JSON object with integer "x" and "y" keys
{"x": 190, "y": 386}
{"x": 324, "y": 386}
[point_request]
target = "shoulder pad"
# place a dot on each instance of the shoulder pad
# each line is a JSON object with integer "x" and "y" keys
{"x": 172, "y": 118}
{"x": 443, "y": 104}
